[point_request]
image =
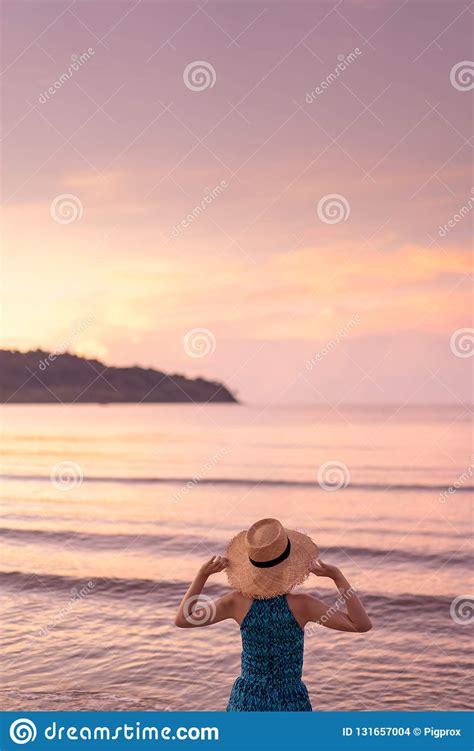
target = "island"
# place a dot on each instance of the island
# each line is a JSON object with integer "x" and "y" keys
{"x": 45, "y": 377}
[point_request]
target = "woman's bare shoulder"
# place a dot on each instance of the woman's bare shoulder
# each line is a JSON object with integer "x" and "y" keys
{"x": 303, "y": 606}
{"x": 240, "y": 604}
{"x": 298, "y": 599}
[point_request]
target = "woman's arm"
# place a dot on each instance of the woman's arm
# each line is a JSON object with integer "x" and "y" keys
{"x": 195, "y": 610}
{"x": 347, "y": 614}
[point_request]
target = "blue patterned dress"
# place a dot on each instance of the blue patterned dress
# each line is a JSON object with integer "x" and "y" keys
{"x": 272, "y": 660}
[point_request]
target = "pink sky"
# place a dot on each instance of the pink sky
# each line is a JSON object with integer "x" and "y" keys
{"x": 257, "y": 266}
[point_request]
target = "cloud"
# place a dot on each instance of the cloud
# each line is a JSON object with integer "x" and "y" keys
{"x": 133, "y": 287}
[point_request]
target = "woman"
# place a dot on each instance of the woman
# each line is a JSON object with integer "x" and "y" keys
{"x": 263, "y": 564}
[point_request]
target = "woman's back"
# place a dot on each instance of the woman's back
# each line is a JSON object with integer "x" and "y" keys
{"x": 272, "y": 660}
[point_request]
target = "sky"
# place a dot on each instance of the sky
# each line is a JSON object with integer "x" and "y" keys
{"x": 276, "y": 195}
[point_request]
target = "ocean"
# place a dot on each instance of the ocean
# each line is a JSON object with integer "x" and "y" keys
{"x": 108, "y": 511}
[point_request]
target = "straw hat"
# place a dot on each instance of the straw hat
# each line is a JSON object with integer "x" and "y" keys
{"x": 268, "y": 560}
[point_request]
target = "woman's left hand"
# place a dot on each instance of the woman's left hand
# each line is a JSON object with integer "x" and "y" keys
{"x": 320, "y": 568}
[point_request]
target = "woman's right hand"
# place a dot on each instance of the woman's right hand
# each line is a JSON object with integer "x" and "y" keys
{"x": 213, "y": 566}
{"x": 325, "y": 569}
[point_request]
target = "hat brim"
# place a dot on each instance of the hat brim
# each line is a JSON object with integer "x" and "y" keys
{"x": 263, "y": 583}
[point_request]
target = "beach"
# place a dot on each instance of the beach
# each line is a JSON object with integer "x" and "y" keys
{"x": 109, "y": 510}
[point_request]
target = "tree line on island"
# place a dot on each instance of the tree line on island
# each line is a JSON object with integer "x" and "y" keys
{"x": 43, "y": 377}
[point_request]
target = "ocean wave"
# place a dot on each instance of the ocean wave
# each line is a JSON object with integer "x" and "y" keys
{"x": 171, "y": 544}
{"x": 102, "y": 541}
{"x": 171, "y": 591}
{"x": 244, "y": 482}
